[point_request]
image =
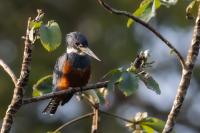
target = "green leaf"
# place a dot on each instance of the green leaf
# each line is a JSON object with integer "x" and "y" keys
{"x": 36, "y": 93}
{"x": 114, "y": 72}
{"x": 150, "y": 82}
{"x": 35, "y": 25}
{"x": 147, "y": 129}
{"x": 146, "y": 11}
{"x": 50, "y": 36}
{"x": 154, "y": 123}
{"x": 43, "y": 86}
{"x": 128, "y": 83}
{"x": 53, "y": 132}
{"x": 114, "y": 75}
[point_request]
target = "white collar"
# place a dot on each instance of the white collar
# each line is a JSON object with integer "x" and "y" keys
{"x": 73, "y": 50}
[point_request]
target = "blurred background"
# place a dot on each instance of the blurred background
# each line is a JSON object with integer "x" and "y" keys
{"x": 115, "y": 45}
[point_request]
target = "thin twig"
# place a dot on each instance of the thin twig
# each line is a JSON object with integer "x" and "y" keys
{"x": 146, "y": 25}
{"x": 186, "y": 76}
{"x": 8, "y": 71}
{"x": 95, "y": 119}
{"x": 92, "y": 114}
{"x": 73, "y": 121}
{"x": 16, "y": 101}
{"x": 115, "y": 116}
{"x": 65, "y": 92}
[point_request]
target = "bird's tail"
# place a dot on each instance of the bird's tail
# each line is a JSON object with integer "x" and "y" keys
{"x": 52, "y": 106}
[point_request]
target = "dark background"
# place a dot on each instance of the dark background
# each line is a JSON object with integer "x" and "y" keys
{"x": 115, "y": 45}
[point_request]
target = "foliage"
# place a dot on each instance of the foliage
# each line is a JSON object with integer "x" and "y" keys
{"x": 149, "y": 82}
{"x": 50, "y": 36}
{"x": 43, "y": 86}
{"x": 148, "y": 8}
{"x": 146, "y": 11}
{"x": 143, "y": 123}
{"x": 190, "y": 9}
{"x": 124, "y": 78}
{"x": 127, "y": 78}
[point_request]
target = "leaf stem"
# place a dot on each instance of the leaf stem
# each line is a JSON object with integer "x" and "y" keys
{"x": 115, "y": 116}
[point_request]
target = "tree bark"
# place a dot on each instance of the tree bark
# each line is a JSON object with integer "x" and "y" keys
{"x": 16, "y": 102}
{"x": 186, "y": 76}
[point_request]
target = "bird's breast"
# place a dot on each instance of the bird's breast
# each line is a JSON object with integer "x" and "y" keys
{"x": 72, "y": 76}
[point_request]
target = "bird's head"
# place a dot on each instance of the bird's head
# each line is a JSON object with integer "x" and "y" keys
{"x": 78, "y": 43}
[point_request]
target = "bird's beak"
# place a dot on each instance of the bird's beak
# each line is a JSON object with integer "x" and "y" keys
{"x": 89, "y": 52}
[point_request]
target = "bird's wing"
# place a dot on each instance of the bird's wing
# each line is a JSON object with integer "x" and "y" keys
{"x": 57, "y": 73}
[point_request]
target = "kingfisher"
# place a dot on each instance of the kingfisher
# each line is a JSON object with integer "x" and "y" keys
{"x": 72, "y": 69}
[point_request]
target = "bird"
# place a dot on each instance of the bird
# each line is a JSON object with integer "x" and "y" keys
{"x": 72, "y": 69}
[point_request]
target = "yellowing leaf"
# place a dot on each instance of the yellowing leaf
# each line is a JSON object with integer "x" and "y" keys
{"x": 147, "y": 129}
{"x": 155, "y": 123}
{"x": 35, "y": 25}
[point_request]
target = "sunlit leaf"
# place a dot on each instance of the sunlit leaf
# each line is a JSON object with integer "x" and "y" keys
{"x": 35, "y": 25}
{"x": 43, "y": 86}
{"x": 91, "y": 96}
{"x": 50, "y": 36}
{"x": 154, "y": 123}
{"x": 31, "y": 36}
{"x": 53, "y": 132}
{"x": 102, "y": 94}
{"x": 168, "y": 3}
{"x": 146, "y": 124}
{"x": 146, "y": 11}
{"x": 128, "y": 83}
{"x": 150, "y": 82}
{"x": 147, "y": 129}
{"x": 190, "y": 9}
{"x": 36, "y": 93}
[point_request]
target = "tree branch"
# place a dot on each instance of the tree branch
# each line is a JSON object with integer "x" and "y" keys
{"x": 65, "y": 92}
{"x": 146, "y": 25}
{"x": 186, "y": 76}
{"x": 16, "y": 101}
{"x": 73, "y": 121}
{"x": 8, "y": 71}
